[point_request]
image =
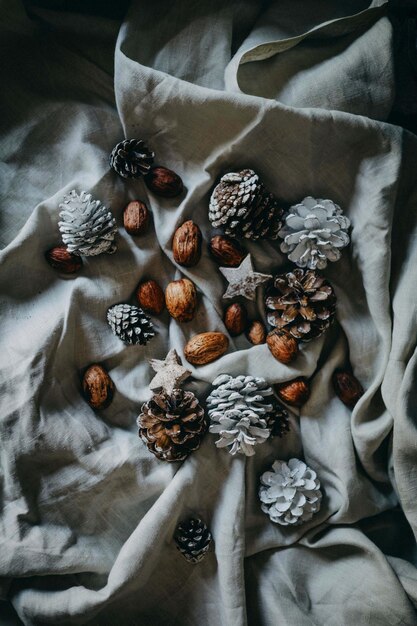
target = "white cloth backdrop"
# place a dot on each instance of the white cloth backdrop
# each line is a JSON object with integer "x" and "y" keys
{"x": 87, "y": 514}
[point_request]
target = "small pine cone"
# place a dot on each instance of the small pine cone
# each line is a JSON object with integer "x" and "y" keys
{"x": 131, "y": 158}
{"x": 172, "y": 425}
{"x": 302, "y": 303}
{"x": 290, "y": 493}
{"x": 87, "y": 228}
{"x": 242, "y": 207}
{"x": 193, "y": 539}
{"x": 130, "y": 324}
{"x": 279, "y": 422}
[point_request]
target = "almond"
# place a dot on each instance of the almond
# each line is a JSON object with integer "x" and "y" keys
{"x": 136, "y": 218}
{"x": 226, "y": 251}
{"x": 98, "y": 387}
{"x": 181, "y": 299}
{"x": 347, "y": 387}
{"x": 295, "y": 392}
{"x": 150, "y": 297}
{"x": 235, "y": 319}
{"x": 66, "y": 262}
{"x": 205, "y": 348}
{"x": 186, "y": 244}
{"x": 282, "y": 346}
{"x": 164, "y": 182}
{"x": 256, "y": 333}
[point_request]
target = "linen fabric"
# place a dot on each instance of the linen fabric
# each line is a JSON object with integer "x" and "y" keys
{"x": 299, "y": 93}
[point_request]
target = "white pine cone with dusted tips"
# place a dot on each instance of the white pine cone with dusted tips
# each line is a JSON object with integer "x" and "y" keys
{"x": 290, "y": 493}
{"x": 243, "y": 411}
{"x": 314, "y": 232}
{"x": 87, "y": 228}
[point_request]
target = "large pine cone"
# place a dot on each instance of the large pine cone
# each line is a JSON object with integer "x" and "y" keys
{"x": 172, "y": 425}
{"x": 302, "y": 303}
{"x": 87, "y": 228}
{"x": 131, "y": 158}
{"x": 130, "y": 324}
{"x": 193, "y": 539}
{"x": 242, "y": 207}
{"x": 244, "y": 412}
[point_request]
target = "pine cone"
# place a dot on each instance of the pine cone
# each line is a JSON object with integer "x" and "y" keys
{"x": 130, "y": 324}
{"x": 302, "y": 302}
{"x": 242, "y": 207}
{"x": 193, "y": 539}
{"x": 244, "y": 411}
{"x": 131, "y": 158}
{"x": 314, "y": 232}
{"x": 172, "y": 424}
{"x": 290, "y": 494}
{"x": 88, "y": 228}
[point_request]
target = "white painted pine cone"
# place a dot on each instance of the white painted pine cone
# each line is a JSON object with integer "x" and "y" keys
{"x": 87, "y": 228}
{"x": 314, "y": 232}
{"x": 240, "y": 411}
{"x": 290, "y": 493}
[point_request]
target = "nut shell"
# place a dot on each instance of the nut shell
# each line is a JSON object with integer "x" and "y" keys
{"x": 181, "y": 299}
{"x": 186, "y": 244}
{"x": 98, "y": 387}
{"x": 235, "y": 319}
{"x": 136, "y": 218}
{"x": 256, "y": 333}
{"x": 150, "y": 297}
{"x": 66, "y": 262}
{"x": 226, "y": 251}
{"x": 347, "y": 387}
{"x": 206, "y": 347}
{"x": 295, "y": 392}
{"x": 282, "y": 346}
{"x": 164, "y": 182}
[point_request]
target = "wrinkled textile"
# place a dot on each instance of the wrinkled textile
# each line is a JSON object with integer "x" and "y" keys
{"x": 298, "y": 91}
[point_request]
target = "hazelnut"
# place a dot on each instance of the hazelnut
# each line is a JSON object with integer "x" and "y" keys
{"x": 98, "y": 387}
{"x": 164, "y": 182}
{"x": 226, "y": 251}
{"x": 235, "y": 319}
{"x": 136, "y": 218}
{"x": 256, "y": 333}
{"x": 295, "y": 392}
{"x": 66, "y": 262}
{"x": 347, "y": 387}
{"x": 205, "y": 348}
{"x": 181, "y": 299}
{"x": 186, "y": 244}
{"x": 282, "y": 346}
{"x": 150, "y": 297}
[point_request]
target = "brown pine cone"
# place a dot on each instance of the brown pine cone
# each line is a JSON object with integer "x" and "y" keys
{"x": 172, "y": 425}
{"x": 302, "y": 302}
{"x": 241, "y": 205}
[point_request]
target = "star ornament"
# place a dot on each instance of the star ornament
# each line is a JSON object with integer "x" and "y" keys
{"x": 242, "y": 280}
{"x": 169, "y": 373}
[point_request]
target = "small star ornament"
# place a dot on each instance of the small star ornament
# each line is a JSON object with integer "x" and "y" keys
{"x": 169, "y": 373}
{"x": 242, "y": 280}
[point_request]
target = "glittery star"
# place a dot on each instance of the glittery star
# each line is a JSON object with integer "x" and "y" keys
{"x": 242, "y": 280}
{"x": 169, "y": 373}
